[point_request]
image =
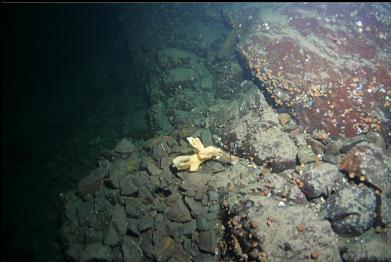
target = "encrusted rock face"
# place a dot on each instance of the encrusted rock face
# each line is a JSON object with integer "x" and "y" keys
{"x": 251, "y": 129}
{"x": 327, "y": 61}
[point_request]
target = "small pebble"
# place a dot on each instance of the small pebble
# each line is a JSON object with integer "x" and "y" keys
{"x": 254, "y": 224}
{"x": 314, "y": 254}
{"x": 300, "y": 227}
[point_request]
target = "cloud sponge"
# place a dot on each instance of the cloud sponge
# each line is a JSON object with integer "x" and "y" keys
{"x": 203, "y": 153}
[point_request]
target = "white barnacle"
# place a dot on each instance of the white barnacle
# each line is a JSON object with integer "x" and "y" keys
{"x": 359, "y": 23}
{"x": 266, "y": 26}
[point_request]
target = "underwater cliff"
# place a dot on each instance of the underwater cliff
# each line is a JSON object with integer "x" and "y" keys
{"x": 196, "y": 132}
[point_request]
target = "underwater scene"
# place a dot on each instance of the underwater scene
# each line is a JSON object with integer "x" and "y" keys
{"x": 196, "y": 132}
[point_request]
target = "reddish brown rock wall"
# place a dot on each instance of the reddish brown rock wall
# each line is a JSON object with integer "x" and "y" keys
{"x": 329, "y": 63}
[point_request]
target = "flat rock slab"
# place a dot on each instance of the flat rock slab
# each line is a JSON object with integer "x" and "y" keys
{"x": 328, "y": 62}
{"x": 291, "y": 233}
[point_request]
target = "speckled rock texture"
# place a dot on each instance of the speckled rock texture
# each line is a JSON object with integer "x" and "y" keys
{"x": 326, "y": 61}
{"x": 369, "y": 162}
{"x": 287, "y": 233}
{"x": 351, "y": 210}
{"x": 320, "y": 179}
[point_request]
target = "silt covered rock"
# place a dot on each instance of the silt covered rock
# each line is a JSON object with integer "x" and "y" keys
{"x": 351, "y": 210}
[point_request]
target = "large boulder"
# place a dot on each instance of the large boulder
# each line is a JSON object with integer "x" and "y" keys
{"x": 249, "y": 128}
{"x": 351, "y": 210}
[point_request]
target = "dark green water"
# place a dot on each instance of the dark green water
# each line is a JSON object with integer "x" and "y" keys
{"x": 64, "y": 98}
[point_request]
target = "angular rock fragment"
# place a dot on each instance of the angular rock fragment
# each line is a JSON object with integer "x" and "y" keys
{"x": 320, "y": 179}
{"x": 133, "y": 226}
{"x": 127, "y": 187}
{"x": 134, "y": 207}
{"x": 96, "y": 252}
{"x": 145, "y": 223}
{"x": 195, "y": 207}
{"x": 117, "y": 171}
{"x": 305, "y": 155}
{"x": 146, "y": 243}
{"x": 125, "y": 147}
{"x": 117, "y": 227}
{"x": 164, "y": 249}
{"x": 177, "y": 210}
{"x": 208, "y": 241}
{"x": 131, "y": 251}
{"x": 251, "y": 129}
